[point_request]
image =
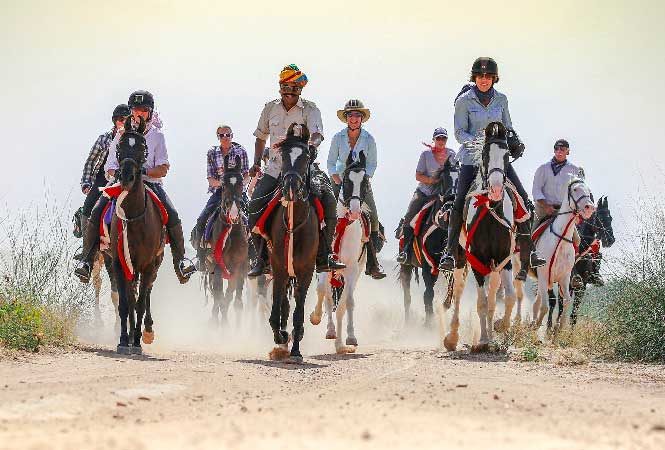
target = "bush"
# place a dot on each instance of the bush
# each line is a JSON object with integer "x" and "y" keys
{"x": 20, "y": 326}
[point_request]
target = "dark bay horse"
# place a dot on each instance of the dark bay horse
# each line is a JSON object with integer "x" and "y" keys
{"x": 143, "y": 239}
{"x": 227, "y": 259}
{"x": 429, "y": 243}
{"x": 294, "y": 239}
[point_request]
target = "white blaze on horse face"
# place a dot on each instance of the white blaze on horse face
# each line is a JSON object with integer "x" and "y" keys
{"x": 295, "y": 154}
{"x": 232, "y": 181}
{"x": 234, "y": 213}
{"x": 131, "y": 141}
{"x": 495, "y": 180}
{"x": 357, "y": 179}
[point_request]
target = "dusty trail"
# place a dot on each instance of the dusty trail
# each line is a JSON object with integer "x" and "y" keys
{"x": 200, "y": 388}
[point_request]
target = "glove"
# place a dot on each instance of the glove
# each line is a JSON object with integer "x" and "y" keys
{"x": 515, "y": 145}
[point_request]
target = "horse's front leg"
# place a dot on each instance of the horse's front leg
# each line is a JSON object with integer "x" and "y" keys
{"x": 567, "y": 301}
{"x": 481, "y": 309}
{"x": 540, "y": 305}
{"x": 123, "y": 309}
{"x": 428, "y": 295}
{"x": 304, "y": 280}
{"x": 239, "y": 281}
{"x": 97, "y": 283}
{"x": 493, "y": 285}
{"x": 281, "y": 337}
{"x": 351, "y": 278}
{"x": 140, "y": 311}
{"x": 459, "y": 281}
{"x": 131, "y": 302}
{"x": 323, "y": 279}
{"x": 502, "y": 325}
{"x": 405, "y": 273}
{"x": 577, "y": 301}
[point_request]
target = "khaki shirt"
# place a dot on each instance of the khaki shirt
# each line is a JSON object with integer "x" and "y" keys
{"x": 275, "y": 121}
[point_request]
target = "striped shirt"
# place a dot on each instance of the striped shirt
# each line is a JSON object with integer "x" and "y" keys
{"x": 216, "y": 161}
{"x": 96, "y": 159}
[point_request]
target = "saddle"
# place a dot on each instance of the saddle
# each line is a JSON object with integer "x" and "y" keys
{"x": 343, "y": 222}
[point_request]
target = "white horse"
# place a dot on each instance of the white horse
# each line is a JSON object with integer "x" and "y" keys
{"x": 490, "y": 228}
{"x": 556, "y": 247}
{"x": 351, "y": 244}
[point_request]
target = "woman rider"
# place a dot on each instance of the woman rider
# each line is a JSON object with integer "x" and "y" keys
{"x": 474, "y": 110}
{"x": 431, "y": 162}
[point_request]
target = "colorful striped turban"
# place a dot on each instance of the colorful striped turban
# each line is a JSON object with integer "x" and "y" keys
{"x": 291, "y": 74}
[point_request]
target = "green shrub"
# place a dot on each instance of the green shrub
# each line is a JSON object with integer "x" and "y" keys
{"x": 20, "y": 325}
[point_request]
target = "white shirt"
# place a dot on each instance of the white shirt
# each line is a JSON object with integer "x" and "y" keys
{"x": 547, "y": 186}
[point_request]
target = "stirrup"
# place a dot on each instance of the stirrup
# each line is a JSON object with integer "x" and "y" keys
{"x": 521, "y": 275}
{"x": 447, "y": 263}
{"x": 535, "y": 260}
{"x": 83, "y": 271}
{"x": 402, "y": 257}
{"x": 186, "y": 270}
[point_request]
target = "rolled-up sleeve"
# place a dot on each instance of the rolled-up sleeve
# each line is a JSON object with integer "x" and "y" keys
{"x": 263, "y": 127}
{"x": 161, "y": 154}
{"x": 333, "y": 155}
{"x": 421, "y": 168}
{"x": 538, "y": 185}
{"x": 371, "y": 163}
{"x": 112, "y": 159}
{"x": 462, "y": 121}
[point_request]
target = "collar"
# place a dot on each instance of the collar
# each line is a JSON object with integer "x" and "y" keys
{"x": 300, "y": 103}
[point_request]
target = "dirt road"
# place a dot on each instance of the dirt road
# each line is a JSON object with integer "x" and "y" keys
{"x": 198, "y": 388}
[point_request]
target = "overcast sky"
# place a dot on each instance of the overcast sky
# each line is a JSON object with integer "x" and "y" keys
{"x": 588, "y": 71}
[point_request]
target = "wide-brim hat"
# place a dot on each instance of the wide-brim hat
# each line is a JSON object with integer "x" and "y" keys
{"x": 353, "y": 105}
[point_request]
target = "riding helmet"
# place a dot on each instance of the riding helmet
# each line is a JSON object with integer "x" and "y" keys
{"x": 121, "y": 110}
{"x": 484, "y": 64}
{"x": 141, "y": 98}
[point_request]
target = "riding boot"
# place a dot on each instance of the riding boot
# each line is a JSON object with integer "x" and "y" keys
{"x": 594, "y": 277}
{"x": 84, "y": 226}
{"x": 372, "y": 266}
{"x": 326, "y": 260}
{"x": 90, "y": 247}
{"x": 447, "y": 263}
{"x": 528, "y": 255}
{"x": 182, "y": 265}
{"x": 404, "y": 255}
{"x": 261, "y": 265}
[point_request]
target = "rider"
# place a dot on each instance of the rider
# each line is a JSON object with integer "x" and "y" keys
{"x": 93, "y": 170}
{"x": 354, "y": 139}
{"x": 474, "y": 110}
{"x": 141, "y": 104}
{"x": 430, "y": 163}
{"x": 275, "y": 119}
{"x": 215, "y": 170}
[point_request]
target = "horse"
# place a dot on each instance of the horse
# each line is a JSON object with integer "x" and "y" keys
{"x": 293, "y": 239}
{"x": 228, "y": 257}
{"x": 489, "y": 240}
{"x": 598, "y": 227}
{"x": 137, "y": 232}
{"x": 352, "y": 234}
{"x": 555, "y": 244}
{"x": 430, "y": 234}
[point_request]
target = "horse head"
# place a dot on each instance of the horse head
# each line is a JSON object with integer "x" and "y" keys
{"x": 603, "y": 223}
{"x": 295, "y": 162}
{"x": 131, "y": 152}
{"x": 495, "y": 160}
{"x": 354, "y": 185}
{"x": 232, "y": 188}
{"x": 578, "y": 198}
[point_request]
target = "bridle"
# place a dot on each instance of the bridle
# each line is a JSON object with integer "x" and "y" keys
{"x": 574, "y": 212}
{"x": 363, "y": 187}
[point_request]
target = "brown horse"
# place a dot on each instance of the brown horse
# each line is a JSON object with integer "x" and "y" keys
{"x": 144, "y": 237}
{"x": 294, "y": 239}
{"x": 227, "y": 259}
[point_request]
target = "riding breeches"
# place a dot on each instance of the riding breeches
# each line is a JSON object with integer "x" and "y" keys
{"x": 94, "y": 194}
{"x": 158, "y": 189}
{"x": 417, "y": 201}
{"x": 369, "y": 200}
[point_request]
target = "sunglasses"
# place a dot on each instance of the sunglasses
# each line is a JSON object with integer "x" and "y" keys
{"x": 143, "y": 109}
{"x": 485, "y": 75}
{"x": 224, "y": 135}
{"x": 119, "y": 118}
{"x": 559, "y": 147}
{"x": 355, "y": 114}
{"x": 440, "y": 138}
{"x": 290, "y": 88}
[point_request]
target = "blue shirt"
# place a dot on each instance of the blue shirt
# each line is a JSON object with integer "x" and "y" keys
{"x": 471, "y": 118}
{"x": 340, "y": 149}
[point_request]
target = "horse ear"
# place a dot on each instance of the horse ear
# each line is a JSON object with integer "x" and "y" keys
{"x": 363, "y": 159}
{"x": 128, "y": 123}
{"x": 141, "y": 128}
{"x": 349, "y": 159}
{"x": 605, "y": 203}
{"x": 237, "y": 164}
{"x": 305, "y": 133}
{"x": 226, "y": 163}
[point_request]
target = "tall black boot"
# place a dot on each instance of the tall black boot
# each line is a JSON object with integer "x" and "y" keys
{"x": 528, "y": 255}
{"x": 594, "y": 277}
{"x": 261, "y": 265}
{"x": 404, "y": 255}
{"x": 372, "y": 266}
{"x": 183, "y": 266}
{"x": 83, "y": 269}
{"x": 447, "y": 263}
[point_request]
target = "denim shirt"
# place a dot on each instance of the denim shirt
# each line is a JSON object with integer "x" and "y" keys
{"x": 340, "y": 149}
{"x": 471, "y": 117}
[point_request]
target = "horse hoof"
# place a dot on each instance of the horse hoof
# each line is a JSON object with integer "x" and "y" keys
{"x": 342, "y": 350}
{"x": 148, "y": 337}
{"x": 137, "y": 350}
{"x": 351, "y": 349}
{"x": 293, "y": 360}
{"x": 450, "y": 343}
{"x": 480, "y": 348}
{"x": 352, "y": 341}
{"x": 278, "y": 354}
{"x": 314, "y": 320}
{"x": 331, "y": 335}
{"x": 124, "y": 350}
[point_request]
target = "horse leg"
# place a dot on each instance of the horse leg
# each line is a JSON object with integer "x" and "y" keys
{"x": 566, "y": 303}
{"x": 540, "y": 305}
{"x": 114, "y": 290}
{"x": 140, "y": 311}
{"x": 459, "y": 280}
{"x": 217, "y": 288}
{"x": 227, "y": 299}
{"x": 502, "y": 325}
{"x": 304, "y": 280}
{"x": 322, "y": 280}
{"x": 577, "y": 301}
{"x": 405, "y": 273}
{"x": 123, "y": 309}
{"x": 481, "y": 308}
{"x": 494, "y": 284}
{"x": 131, "y": 302}
{"x": 519, "y": 293}
{"x": 280, "y": 337}
{"x": 331, "y": 333}
{"x": 237, "y": 303}
{"x": 97, "y": 283}
{"x": 428, "y": 295}
{"x": 351, "y": 278}
{"x": 560, "y": 302}
{"x": 339, "y": 315}
{"x": 552, "y": 304}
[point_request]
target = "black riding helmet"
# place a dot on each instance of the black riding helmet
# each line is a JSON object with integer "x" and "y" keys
{"x": 485, "y": 64}
{"x": 121, "y": 110}
{"x": 141, "y": 98}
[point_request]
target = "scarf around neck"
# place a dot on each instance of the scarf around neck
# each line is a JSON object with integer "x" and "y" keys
{"x": 557, "y": 166}
{"x": 484, "y": 97}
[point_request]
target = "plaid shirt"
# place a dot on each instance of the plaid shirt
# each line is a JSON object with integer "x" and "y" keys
{"x": 96, "y": 158}
{"x": 216, "y": 161}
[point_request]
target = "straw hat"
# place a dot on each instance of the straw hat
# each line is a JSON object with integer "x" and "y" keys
{"x": 353, "y": 105}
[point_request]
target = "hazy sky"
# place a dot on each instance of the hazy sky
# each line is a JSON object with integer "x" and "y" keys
{"x": 587, "y": 71}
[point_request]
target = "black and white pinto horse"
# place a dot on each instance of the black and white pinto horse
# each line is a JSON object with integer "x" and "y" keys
{"x": 430, "y": 234}
{"x": 488, "y": 241}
